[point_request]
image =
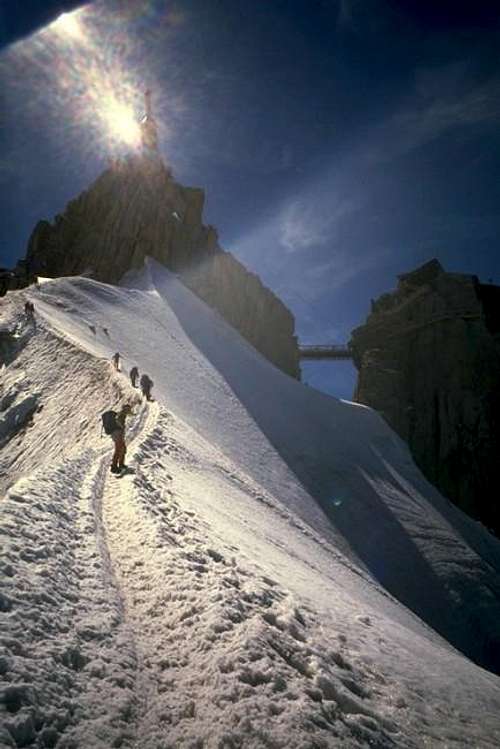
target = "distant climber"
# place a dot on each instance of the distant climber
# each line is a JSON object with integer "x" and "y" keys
{"x": 134, "y": 374}
{"x": 146, "y": 385}
{"x": 29, "y": 309}
{"x": 116, "y": 361}
{"x": 114, "y": 424}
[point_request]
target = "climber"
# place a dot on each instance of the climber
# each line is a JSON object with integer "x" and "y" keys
{"x": 134, "y": 374}
{"x": 114, "y": 425}
{"x": 29, "y": 309}
{"x": 116, "y": 361}
{"x": 146, "y": 385}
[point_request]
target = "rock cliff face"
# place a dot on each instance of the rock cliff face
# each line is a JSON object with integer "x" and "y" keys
{"x": 135, "y": 209}
{"x": 428, "y": 359}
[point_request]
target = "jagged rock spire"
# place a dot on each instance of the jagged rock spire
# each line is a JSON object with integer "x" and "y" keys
{"x": 136, "y": 210}
{"x": 149, "y": 129}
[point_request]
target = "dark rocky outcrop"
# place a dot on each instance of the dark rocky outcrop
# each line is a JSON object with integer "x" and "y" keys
{"x": 428, "y": 359}
{"x": 135, "y": 209}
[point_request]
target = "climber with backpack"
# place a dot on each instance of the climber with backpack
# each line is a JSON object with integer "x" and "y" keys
{"x": 29, "y": 310}
{"x": 134, "y": 374}
{"x": 113, "y": 424}
{"x": 146, "y": 384}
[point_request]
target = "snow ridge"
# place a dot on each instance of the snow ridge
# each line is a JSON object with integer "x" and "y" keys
{"x": 204, "y": 599}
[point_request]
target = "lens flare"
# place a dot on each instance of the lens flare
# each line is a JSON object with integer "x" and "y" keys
{"x": 98, "y": 73}
{"x": 83, "y": 77}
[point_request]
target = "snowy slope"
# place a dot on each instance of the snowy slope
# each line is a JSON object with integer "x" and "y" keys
{"x": 239, "y": 588}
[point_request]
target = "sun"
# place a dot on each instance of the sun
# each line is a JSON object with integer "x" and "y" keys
{"x": 120, "y": 120}
{"x": 68, "y": 24}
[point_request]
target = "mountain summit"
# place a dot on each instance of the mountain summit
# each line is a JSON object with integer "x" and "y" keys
{"x": 136, "y": 209}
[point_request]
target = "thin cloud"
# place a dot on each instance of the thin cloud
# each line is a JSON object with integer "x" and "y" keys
{"x": 346, "y": 12}
{"x": 340, "y": 268}
{"x": 432, "y": 115}
{"x": 306, "y": 222}
{"x": 319, "y": 239}
{"x": 364, "y": 17}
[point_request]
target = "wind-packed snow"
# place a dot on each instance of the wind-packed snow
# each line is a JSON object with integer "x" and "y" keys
{"x": 248, "y": 583}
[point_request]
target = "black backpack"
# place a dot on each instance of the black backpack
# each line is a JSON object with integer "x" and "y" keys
{"x": 109, "y": 422}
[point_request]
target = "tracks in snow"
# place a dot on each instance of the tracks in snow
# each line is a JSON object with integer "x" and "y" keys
{"x": 137, "y": 630}
{"x": 217, "y": 650}
{"x": 128, "y": 535}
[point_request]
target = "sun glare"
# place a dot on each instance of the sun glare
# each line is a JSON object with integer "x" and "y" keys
{"x": 68, "y": 24}
{"x": 96, "y": 81}
{"x": 121, "y": 122}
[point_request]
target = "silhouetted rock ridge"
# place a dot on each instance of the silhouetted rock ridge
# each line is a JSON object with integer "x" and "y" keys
{"x": 136, "y": 209}
{"x": 428, "y": 359}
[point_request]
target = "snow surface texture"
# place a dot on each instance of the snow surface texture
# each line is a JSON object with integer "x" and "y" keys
{"x": 238, "y": 587}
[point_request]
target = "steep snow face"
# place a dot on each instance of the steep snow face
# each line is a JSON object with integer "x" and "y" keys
{"x": 75, "y": 389}
{"x": 217, "y": 595}
{"x": 337, "y": 465}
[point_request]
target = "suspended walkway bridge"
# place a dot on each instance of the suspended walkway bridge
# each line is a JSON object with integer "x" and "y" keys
{"x": 314, "y": 351}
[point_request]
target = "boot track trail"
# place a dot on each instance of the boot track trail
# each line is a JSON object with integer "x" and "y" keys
{"x": 194, "y": 602}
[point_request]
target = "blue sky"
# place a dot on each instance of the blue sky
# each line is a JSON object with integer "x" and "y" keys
{"x": 340, "y": 142}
